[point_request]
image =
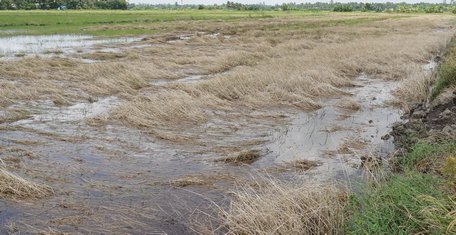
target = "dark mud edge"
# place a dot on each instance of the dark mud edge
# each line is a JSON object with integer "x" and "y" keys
{"x": 432, "y": 122}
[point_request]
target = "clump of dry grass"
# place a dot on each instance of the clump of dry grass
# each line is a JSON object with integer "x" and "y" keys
{"x": 206, "y": 180}
{"x": 12, "y": 115}
{"x": 434, "y": 208}
{"x": 297, "y": 165}
{"x": 351, "y": 145}
{"x": 12, "y": 161}
{"x": 336, "y": 128}
{"x": 285, "y": 208}
{"x": 65, "y": 80}
{"x": 373, "y": 170}
{"x": 414, "y": 88}
{"x": 53, "y": 51}
{"x": 166, "y": 108}
{"x": 13, "y": 186}
{"x": 304, "y": 164}
{"x": 187, "y": 181}
{"x": 349, "y": 104}
{"x": 100, "y": 55}
{"x": 244, "y": 157}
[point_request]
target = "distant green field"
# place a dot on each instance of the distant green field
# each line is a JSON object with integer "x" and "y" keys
{"x": 92, "y": 22}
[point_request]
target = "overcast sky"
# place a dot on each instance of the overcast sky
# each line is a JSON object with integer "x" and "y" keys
{"x": 272, "y": 2}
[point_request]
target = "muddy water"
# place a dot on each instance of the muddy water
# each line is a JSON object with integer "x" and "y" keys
{"x": 115, "y": 173}
{"x": 338, "y": 138}
{"x": 107, "y": 179}
{"x": 18, "y": 46}
{"x": 77, "y": 112}
{"x": 115, "y": 178}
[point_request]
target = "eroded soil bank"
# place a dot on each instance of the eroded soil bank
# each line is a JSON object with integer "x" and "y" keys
{"x": 418, "y": 194}
{"x": 433, "y": 122}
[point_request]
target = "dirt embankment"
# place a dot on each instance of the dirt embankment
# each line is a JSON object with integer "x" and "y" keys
{"x": 431, "y": 122}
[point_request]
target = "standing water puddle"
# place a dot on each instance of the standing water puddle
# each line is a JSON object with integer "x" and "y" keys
{"x": 189, "y": 79}
{"x": 335, "y": 136}
{"x": 79, "y": 112}
{"x": 16, "y": 46}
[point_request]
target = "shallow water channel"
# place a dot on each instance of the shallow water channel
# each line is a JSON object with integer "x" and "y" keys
{"x": 338, "y": 137}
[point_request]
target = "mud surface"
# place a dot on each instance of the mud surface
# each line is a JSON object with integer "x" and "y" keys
{"x": 433, "y": 121}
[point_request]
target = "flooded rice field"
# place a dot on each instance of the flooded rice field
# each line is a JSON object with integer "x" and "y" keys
{"x": 161, "y": 130}
{"x": 109, "y": 173}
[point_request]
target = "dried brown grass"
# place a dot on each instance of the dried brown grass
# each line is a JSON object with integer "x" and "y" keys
{"x": 271, "y": 62}
{"x": 13, "y": 114}
{"x": 100, "y": 55}
{"x": 244, "y": 157}
{"x": 13, "y": 186}
{"x": 187, "y": 181}
{"x": 414, "y": 88}
{"x": 69, "y": 80}
{"x": 349, "y": 104}
{"x": 350, "y": 146}
{"x": 280, "y": 62}
{"x": 294, "y": 166}
{"x": 293, "y": 74}
{"x": 285, "y": 208}
{"x": 304, "y": 164}
{"x": 266, "y": 63}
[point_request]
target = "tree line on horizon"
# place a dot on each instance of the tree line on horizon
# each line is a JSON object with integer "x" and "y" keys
{"x": 62, "y": 4}
{"x": 326, "y": 6}
{"x": 230, "y": 5}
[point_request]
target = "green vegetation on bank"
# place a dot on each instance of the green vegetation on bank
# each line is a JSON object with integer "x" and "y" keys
{"x": 425, "y": 157}
{"x": 446, "y": 73}
{"x": 419, "y": 196}
{"x": 409, "y": 203}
